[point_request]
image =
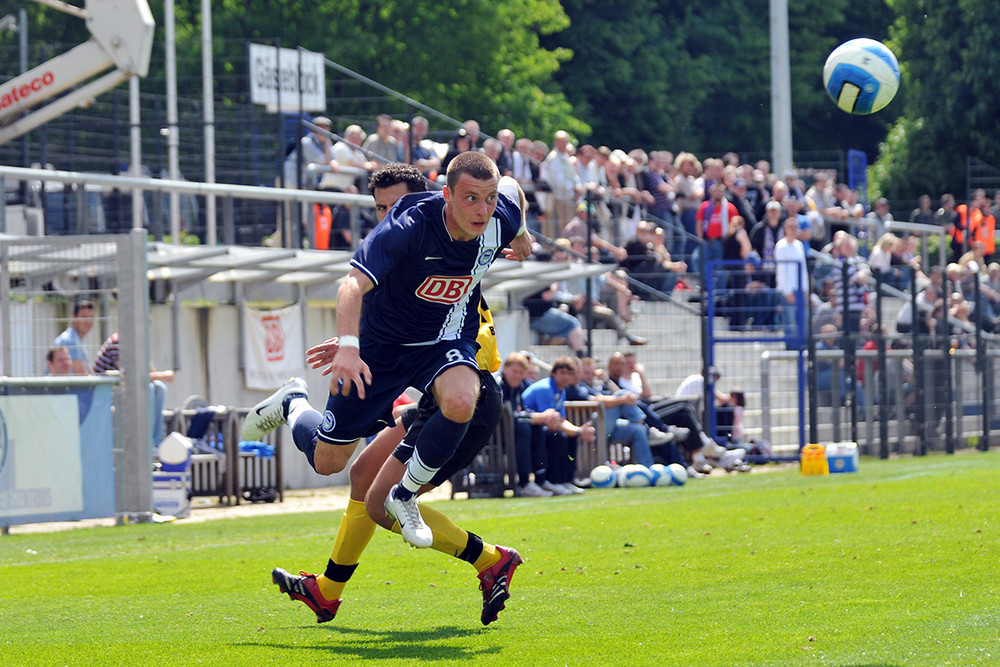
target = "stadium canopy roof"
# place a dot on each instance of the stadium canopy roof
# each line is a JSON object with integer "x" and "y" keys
{"x": 187, "y": 265}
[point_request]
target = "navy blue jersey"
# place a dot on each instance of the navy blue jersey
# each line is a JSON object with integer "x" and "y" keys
{"x": 427, "y": 284}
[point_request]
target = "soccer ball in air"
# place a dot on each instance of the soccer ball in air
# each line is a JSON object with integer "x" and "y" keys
{"x": 634, "y": 475}
{"x": 677, "y": 473}
{"x": 861, "y": 76}
{"x": 602, "y": 477}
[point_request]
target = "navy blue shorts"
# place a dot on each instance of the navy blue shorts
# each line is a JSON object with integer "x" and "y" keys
{"x": 481, "y": 428}
{"x": 393, "y": 368}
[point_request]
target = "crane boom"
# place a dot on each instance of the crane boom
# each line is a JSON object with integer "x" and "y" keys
{"x": 121, "y": 38}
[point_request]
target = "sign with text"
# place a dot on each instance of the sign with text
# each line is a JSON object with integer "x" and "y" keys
{"x": 297, "y": 73}
{"x": 40, "y": 466}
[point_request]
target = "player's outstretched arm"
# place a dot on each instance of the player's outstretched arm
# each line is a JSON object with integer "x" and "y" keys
{"x": 347, "y": 365}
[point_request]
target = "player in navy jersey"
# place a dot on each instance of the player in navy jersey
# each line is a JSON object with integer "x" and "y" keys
{"x": 411, "y": 298}
{"x": 494, "y": 564}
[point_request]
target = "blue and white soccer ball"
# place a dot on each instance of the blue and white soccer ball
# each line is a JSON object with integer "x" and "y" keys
{"x": 661, "y": 476}
{"x": 678, "y": 474}
{"x": 861, "y": 76}
{"x": 602, "y": 477}
{"x": 634, "y": 475}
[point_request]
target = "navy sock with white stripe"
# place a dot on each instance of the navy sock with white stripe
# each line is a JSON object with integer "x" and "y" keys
{"x": 437, "y": 443}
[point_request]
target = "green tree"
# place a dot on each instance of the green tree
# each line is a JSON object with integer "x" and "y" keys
{"x": 468, "y": 59}
{"x": 950, "y": 70}
{"x": 697, "y": 76}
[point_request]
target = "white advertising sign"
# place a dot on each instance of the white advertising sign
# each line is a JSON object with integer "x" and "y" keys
{"x": 40, "y": 469}
{"x": 273, "y": 347}
{"x": 265, "y": 78}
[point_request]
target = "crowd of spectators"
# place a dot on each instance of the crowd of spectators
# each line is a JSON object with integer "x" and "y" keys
{"x": 656, "y": 217}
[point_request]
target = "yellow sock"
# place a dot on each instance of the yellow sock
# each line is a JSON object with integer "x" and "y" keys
{"x": 452, "y": 540}
{"x": 488, "y": 558}
{"x": 355, "y": 532}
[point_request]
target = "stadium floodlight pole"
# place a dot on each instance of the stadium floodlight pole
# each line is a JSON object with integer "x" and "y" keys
{"x": 172, "y": 131}
{"x": 781, "y": 90}
{"x": 208, "y": 97}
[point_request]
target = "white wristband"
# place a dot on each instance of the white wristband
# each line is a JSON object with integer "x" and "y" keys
{"x": 349, "y": 341}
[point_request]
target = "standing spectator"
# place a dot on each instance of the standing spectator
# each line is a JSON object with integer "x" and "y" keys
{"x": 688, "y": 196}
{"x": 460, "y": 143}
{"x": 493, "y": 150}
{"x": 880, "y": 216}
{"x": 423, "y": 158}
{"x": 945, "y": 217}
{"x": 316, "y": 149}
{"x": 472, "y": 127}
{"x": 505, "y": 161}
{"x": 565, "y": 183}
{"x": 382, "y": 143}
{"x": 72, "y": 337}
{"x": 792, "y": 279}
{"x": 525, "y": 172}
{"x": 856, "y": 287}
{"x": 923, "y": 213}
{"x": 712, "y": 220}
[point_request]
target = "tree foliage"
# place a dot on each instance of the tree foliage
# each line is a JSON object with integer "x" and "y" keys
{"x": 690, "y": 76}
{"x": 950, "y": 69}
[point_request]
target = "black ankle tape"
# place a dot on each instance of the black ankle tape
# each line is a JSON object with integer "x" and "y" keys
{"x": 339, "y": 573}
{"x": 473, "y": 549}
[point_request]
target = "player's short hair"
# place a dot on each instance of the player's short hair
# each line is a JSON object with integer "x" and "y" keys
{"x": 50, "y": 356}
{"x": 396, "y": 173}
{"x": 475, "y": 164}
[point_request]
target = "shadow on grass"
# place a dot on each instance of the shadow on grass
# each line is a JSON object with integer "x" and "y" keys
{"x": 371, "y": 644}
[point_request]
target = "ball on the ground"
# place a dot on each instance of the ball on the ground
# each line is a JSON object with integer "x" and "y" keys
{"x": 602, "y": 477}
{"x": 661, "y": 476}
{"x": 635, "y": 475}
{"x": 678, "y": 474}
{"x": 861, "y": 76}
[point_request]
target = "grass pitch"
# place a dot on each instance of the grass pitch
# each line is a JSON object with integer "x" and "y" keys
{"x": 896, "y": 564}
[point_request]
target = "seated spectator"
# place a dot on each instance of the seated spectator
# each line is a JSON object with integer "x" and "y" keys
{"x": 551, "y": 318}
{"x": 651, "y": 266}
{"x": 692, "y": 387}
{"x": 881, "y": 259}
{"x": 559, "y": 435}
{"x": 58, "y": 361}
{"x": 574, "y": 294}
{"x": 528, "y": 451}
{"x": 107, "y": 361}
{"x": 72, "y": 337}
{"x": 833, "y": 380}
{"x": 624, "y": 421}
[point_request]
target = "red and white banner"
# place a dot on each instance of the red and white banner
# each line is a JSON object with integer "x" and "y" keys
{"x": 273, "y": 349}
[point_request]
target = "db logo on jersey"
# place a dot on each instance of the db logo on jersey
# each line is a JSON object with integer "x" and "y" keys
{"x": 274, "y": 338}
{"x": 444, "y": 289}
